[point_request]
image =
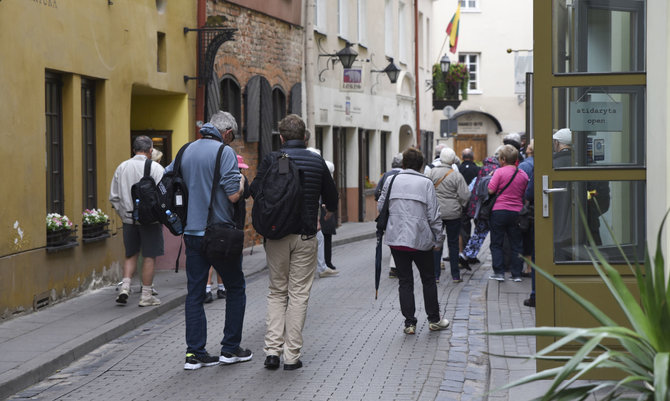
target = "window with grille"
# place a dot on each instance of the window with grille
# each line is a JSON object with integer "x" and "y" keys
{"x": 469, "y": 4}
{"x": 471, "y": 60}
{"x": 53, "y": 111}
{"x": 88, "y": 143}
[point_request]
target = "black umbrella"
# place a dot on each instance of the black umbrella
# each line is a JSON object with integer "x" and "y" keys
{"x": 378, "y": 262}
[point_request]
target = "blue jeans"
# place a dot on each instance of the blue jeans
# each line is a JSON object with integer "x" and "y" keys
{"x": 505, "y": 222}
{"x": 230, "y": 270}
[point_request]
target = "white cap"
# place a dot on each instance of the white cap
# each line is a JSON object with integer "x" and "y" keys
{"x": 564, "y": 136}
{"x": 448, "y": 156}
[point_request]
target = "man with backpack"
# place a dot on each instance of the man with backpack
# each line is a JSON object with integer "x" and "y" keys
{"x": 286, "y": 194}
{"x": 146, "y": 236}
{"x": 198, "y": 172}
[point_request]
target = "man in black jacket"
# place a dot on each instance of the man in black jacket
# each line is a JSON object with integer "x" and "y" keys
{"x": 291, "y": 260}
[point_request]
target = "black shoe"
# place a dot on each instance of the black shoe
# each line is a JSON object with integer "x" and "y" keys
{"x": 272, "y": 362}
{"x": 463, "y": 264}
{"x": 241, "y": 355}
{"x": 524, "y": 274}
{"x": 331, "y": 266}
{"x": 293, "y": 366}
{"x": 446, "y": 259}
{"x": 393, "y": 273}
{"x": 194, "y": 361}
{"x": 221, "y": 294}
{"x": 530, "y": 302}
{"x": 208, "y": 297}
{"x": 473, "y": 261}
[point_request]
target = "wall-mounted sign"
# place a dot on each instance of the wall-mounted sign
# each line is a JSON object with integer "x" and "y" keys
{"x": 352, "y": 79}
{"x": 596, "y": 116}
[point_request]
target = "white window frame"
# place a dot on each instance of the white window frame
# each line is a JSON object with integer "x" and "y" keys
{"x": 362, "y": 23}
{"x": 343, "y": 19}
{"x": 320, "y": 16}
{"x": 403, "y": 33}
{"x": 388, "y": 28}
{"x": 470, "y": 59}
{"x": 469, "y": 6}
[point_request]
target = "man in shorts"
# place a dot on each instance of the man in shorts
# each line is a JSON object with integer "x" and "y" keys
{"x": 147, "y": 238}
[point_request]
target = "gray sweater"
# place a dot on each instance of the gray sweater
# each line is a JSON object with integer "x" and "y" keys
{"x": 197, "y": 168}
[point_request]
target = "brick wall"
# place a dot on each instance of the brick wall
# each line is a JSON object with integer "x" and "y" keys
{"x": 263, "y": 46}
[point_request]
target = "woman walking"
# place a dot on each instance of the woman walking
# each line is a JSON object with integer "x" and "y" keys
{"x": 413, "y": 231}
{"x": 509, "y": 184}
{"x": 452, "y": 196}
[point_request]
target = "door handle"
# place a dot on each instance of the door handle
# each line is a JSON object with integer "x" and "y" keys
{"x": 552, "y": 190}
{"x": 545, "y": 194}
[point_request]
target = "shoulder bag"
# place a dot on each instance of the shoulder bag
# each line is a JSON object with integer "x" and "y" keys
{"x": 487, "y": 204}
{"x": 222, "y": 240}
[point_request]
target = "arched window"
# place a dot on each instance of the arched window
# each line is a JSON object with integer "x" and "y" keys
{"x": 231, "y": 100}
{"x": 278, "y": 112}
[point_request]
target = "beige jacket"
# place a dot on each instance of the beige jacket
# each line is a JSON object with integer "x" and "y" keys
{"x": 452, "y": 193}
{"x": 128, "y": 173}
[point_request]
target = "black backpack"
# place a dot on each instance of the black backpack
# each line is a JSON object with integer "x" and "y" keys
{"x": 146, "y": 202}
{"x": 277, "y": 210}
{"x": 173, "y": 195}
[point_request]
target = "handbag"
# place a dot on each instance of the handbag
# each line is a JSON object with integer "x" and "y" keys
{"x": 383, "y": 218}
{"x": 222, "y": 240}
{"x": 526, "y": 217}
{"x": 486, "y": 208}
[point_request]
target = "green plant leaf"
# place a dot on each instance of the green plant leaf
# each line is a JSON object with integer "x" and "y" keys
{"x": 661, "y": 376}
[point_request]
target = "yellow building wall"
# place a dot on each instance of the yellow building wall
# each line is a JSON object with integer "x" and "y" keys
{"x": 115, "y": 45}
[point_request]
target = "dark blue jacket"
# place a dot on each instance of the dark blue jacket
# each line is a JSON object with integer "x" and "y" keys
{"x": 317, "y": 182}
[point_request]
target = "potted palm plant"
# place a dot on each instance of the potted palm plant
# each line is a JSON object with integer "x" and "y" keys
{"x": 643, "y": 351}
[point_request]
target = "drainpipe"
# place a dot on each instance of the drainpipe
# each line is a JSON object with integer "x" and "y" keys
{"x": 199, "y": 89}
{"x": 416, "y": 72}
{"x": 310, "y": 69}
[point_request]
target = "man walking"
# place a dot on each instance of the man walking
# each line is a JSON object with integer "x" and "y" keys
{"x": 292, "y": 259}
{"x": 469, "y": 171}
{"x": 145, "y": 237}
{"x": 197, "y": 169}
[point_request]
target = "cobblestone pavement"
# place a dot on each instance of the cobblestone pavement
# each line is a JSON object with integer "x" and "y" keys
{"x": 354, "y": 346}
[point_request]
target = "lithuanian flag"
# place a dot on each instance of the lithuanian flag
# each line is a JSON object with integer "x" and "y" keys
{"x": 452, "y": 29}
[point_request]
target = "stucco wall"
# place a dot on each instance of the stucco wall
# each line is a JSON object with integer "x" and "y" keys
{"x": 116, "y": 46}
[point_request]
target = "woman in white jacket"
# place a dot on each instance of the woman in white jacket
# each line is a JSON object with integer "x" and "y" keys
{"x": 413, "y": 231}
{"x": 452, "y": 196}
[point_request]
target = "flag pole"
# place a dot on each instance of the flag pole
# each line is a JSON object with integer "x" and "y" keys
{"x": 441, "y": 48}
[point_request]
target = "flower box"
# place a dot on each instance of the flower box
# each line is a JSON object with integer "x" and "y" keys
{"x": 61, "y": 239}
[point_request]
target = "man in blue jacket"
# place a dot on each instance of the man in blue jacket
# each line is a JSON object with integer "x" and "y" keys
{"x": 197, "y": 169}
{"x": 292, "y": 259}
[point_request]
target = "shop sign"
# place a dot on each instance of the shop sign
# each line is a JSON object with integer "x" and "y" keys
{"x": 596, "y": 116}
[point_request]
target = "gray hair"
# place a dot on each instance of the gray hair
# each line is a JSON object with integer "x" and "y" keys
{"x": 292, "y": 127}
{"x": 223, "y": 121}
{"x": 142, "y": 144}
{"x": 397, "y": 161}
{"x": 438, "y": 149}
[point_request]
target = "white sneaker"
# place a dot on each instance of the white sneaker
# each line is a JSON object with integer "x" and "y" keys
{"x": 441, "y": 325}
{"x": 123, "y": 296}
{"x": 328, "y": 273}
{"x": 149, "y": 301}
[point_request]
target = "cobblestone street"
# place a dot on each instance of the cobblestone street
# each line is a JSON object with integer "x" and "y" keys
{"x": 354, "y": 347}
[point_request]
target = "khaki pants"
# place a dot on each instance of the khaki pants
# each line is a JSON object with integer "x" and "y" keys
{"x": 291, "y": 262}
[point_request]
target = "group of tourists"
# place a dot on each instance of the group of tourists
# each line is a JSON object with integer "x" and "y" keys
{"x": 216, "y": 213}
{"x": 423, "y": 200}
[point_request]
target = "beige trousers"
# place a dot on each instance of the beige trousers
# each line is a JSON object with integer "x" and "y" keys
{"x": 291, "y": 262}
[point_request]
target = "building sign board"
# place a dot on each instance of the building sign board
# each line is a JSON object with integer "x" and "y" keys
{"x": 596, "y": 116}
{"x": 352, "y": 79}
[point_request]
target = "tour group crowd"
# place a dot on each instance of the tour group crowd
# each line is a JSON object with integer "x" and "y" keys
{"x": 426, "y": 200}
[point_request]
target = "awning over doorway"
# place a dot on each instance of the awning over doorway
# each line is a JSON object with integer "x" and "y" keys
{"x": 495, "y": 120}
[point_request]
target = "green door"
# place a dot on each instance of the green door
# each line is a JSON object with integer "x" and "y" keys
{"x": 589, "y": 128}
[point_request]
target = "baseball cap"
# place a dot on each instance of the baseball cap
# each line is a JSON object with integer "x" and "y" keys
{"x": 240, "y": 162}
